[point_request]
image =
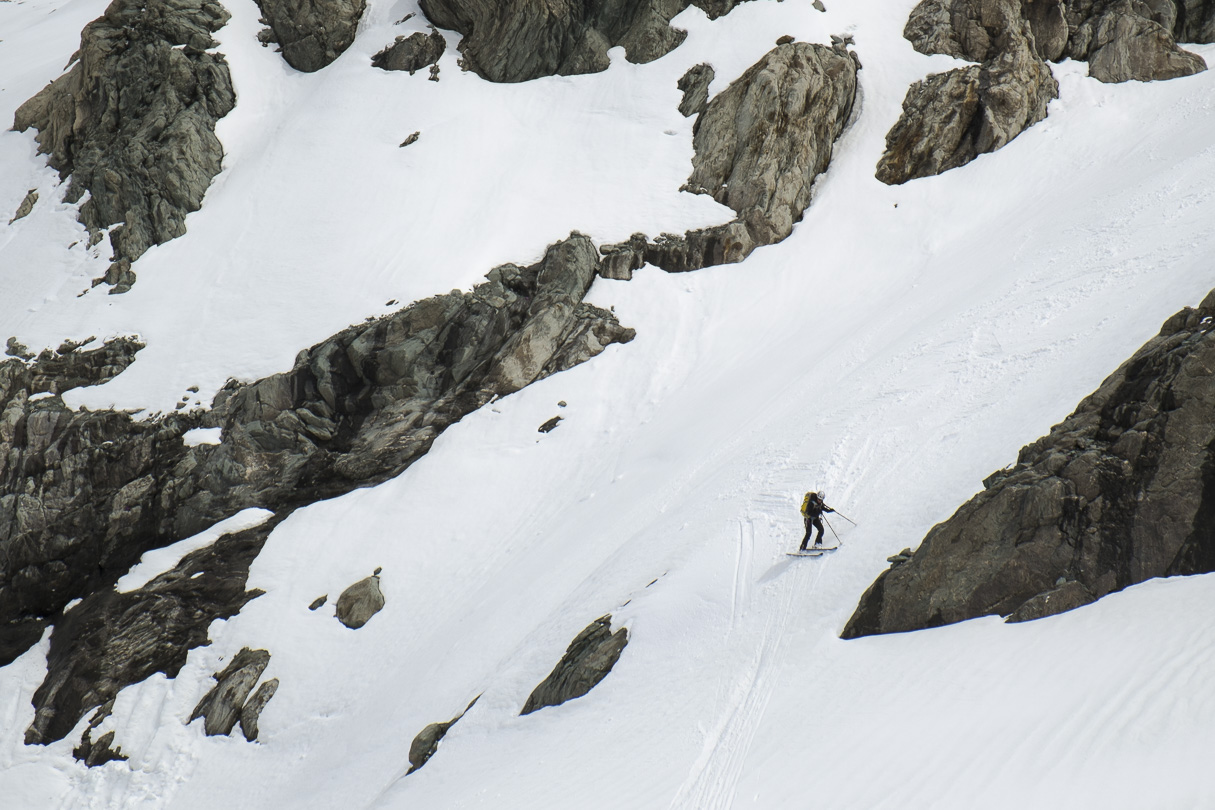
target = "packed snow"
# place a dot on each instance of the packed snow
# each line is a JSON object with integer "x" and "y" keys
{"x": 903, "y": 343}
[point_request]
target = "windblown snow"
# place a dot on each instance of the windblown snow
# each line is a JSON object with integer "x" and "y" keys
{"x": 903, "y": 343}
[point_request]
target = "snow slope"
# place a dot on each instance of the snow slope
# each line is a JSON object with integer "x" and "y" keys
{"x": 902, "y": 344}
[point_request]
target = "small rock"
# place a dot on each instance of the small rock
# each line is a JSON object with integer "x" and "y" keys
{"x": 818, "y": 4}
{"x": 412, "y": 53}
{"x": 587, "y": 661}
{"x": 253, "y": 709}
{"x": 320, "y": 600}
{"x": 26, "y": 206}
{"x": 426, "y": 743}
{"x": 785, "y": 40}
{"x": 434, "y": 73}
{"x": 360, "y": 602}
{"x": 561, "y": 404}
{"x": 548, "y": 426}
{"x": 411, "y": 139}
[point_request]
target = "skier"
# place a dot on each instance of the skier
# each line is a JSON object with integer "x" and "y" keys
{"x": 812, "y": 510}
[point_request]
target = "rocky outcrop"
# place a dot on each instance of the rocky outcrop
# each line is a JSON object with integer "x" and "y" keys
{"x": 695, "y": 88}
{"x": 112, "y": 640}
{"x": 83, "y": 494}
{"x": 948, "y": 119}
{"x": 1120, "y": 492}
{"x": 411, "y": 53}
{"x": 360, "y": 602}
{"x": 527, "y": 39}
{"x": 587, "y": 661}
{"x": 311, "y": 33}
{"x": 252, "y": 710}
{"x": 427, "y": 742}
{"x": 759, "y": 145}
{"x": 225, "y": 705}
{"x": 951, "y": 118}
{"x": 133, "y": 122}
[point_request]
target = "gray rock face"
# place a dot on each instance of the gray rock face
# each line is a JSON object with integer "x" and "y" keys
{"x": 360, "y": 602}
{"x": 527, "y": 39}
{"x": 312, "y": 33}
{"x": 427, "y": 742}
{"x": 84, "y": 493}
{"x": 587, "y": 661}
{"x": 759, "y": 146}
{"x": 133, "y": 121}
{"x": 411, "y": 53}
{"x": 222, "y": 707}
{"x": 1120, "y": 492}
{"x": 951, "y": 118}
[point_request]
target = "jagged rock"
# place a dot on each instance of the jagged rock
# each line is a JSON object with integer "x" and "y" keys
{"x": 133, "y": 121}
{"x": 312, "y": 33}
{"x": 1195, "y": 21}
{"x": 759, "y": 145}
{"x": 411, "y": 53}
{"x": 252, "y": 709}
{"x": 111, "y": 640}
{"x": 695, "y": 88}
{"x": 360, "y": 602}
{"x": 527, "y": 39}
{"x": 84, "y": 494}
{"x": 587, "y": 661}
{"x": 221, "y": 708}
{"x": 427, "y": 742}
{"x": 951, "y": 118}
{"x": 98, "y": 752}
{"x": 1122, "y": 491}
{"x": 27, "y": 205}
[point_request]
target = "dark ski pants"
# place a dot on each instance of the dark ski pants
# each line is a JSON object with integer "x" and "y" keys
{"x": 813, "y": 523}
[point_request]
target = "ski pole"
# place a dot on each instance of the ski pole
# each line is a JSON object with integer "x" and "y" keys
{"x": 838, "y": 541}
{"x": 845, "y": 517}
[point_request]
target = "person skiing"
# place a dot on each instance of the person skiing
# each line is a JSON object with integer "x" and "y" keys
{"x": 812, "y": 510}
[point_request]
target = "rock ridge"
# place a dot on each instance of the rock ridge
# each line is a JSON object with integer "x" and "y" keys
{"x": 1121, "y": 491}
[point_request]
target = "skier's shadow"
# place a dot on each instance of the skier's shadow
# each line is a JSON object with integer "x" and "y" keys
{"x": 777, "y": 570}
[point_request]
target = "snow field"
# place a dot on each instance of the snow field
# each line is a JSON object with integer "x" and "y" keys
{"x": 892, "y": 356}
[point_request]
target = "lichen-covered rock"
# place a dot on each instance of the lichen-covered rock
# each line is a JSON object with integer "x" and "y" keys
{"x": 221, "y": 707}
{"x": 1122, "y": 491}
{"x": 133, "y": 121}
{"x": 759, "y": 145}
{"x": 83, "y": 494}
{"x": 411, "y": 53}
{"x": 527, "y": 39}
{"x": 587, "y": 661}
{"x": 312, "y": 33}
{"x": 360, "y": 602}
{"x": 951, "y": 118}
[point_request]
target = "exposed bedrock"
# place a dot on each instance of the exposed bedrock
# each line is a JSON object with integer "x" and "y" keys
{"x": 1122, "y": 491}
{"x": 527, "y": 39}
{"x": 311, "y": 33}
{"x": 411, "y": 53}
{"x": 85, "y": 493}
{"x": 759, "y": 145}
{"x": 587, "y": 661}
{"x": 133, "y": 121}
{"x": 951, "y": 118}
{"x": 948, "y": 119}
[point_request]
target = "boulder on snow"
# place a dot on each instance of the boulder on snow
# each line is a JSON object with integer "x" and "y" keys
{"x": 26, "y": 206}
{"x": 1120, "y": 492}
{"x": 252, "y": 710}
{"x": 411, "y": 53}
{"x": 427, "y": 742}
{"x": 133, "y": 121}
{"x": 587, "y": 661}
{"x": 221, "y": 708}
{"x": 360, "y": 602}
